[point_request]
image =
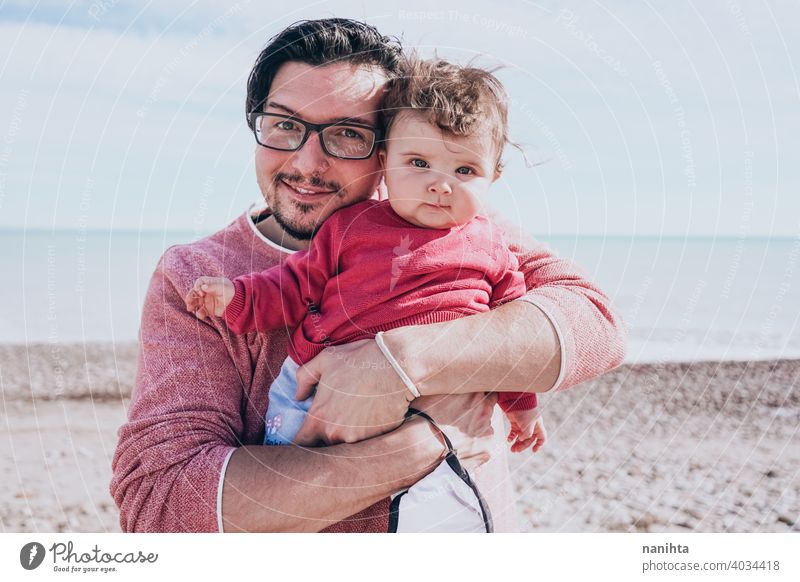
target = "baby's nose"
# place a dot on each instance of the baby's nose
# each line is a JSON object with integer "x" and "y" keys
{"x": 440, "y": 187}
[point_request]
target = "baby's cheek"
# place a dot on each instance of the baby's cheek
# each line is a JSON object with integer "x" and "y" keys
{"x": 470, "y": 207}
{"x": 398, "y": 204}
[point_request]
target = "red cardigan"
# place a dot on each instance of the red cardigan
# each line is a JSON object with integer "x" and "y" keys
{"x": 368, "y": 270}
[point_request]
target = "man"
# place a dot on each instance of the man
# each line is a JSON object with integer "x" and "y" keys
{"x": 189, "y": 458}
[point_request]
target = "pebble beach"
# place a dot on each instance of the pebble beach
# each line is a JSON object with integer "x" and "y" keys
{"x": 670, "y": 447}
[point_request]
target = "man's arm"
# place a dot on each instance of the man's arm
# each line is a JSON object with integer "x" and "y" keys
{"x": 513, "y": 348}
{"x": 294, "y": 489}
{"x": 562, "y": 332}
{"x": 185, "y": 418}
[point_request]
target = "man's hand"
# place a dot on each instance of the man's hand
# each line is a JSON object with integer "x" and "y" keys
{"x": 358, "y": 395}
{"x": 470, "y": 414}
{"x": 210, "y": 296}
{"x": 466, "y": 419}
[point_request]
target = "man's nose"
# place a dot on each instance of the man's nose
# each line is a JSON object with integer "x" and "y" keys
{"x": 310, "y": 158}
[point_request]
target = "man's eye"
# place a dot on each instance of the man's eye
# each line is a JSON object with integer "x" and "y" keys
{"x": 465, "y": 170}
{"x": 286, "y": 125}
{"x": 351, "y": 133}
{"x": 417, "y": 163}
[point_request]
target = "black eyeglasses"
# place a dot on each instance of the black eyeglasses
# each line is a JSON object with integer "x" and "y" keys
{"x": 348, "y": 141}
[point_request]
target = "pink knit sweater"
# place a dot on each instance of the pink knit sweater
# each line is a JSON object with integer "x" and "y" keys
{"x": 201, "y": 391}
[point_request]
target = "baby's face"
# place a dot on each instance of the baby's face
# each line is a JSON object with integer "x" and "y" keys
{"x": 434, "y": 179}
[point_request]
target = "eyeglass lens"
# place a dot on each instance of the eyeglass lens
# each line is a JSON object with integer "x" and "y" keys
{"x": 343, "y": 141}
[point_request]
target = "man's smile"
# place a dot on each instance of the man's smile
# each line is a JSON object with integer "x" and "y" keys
{"x": 306, "y": 193}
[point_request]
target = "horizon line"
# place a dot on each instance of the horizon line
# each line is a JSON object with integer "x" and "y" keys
{"x": 203, "y": 233}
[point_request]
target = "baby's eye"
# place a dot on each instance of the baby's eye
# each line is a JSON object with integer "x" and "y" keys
{"x": 465, "y": 170}
{"x": 418, "y": 163}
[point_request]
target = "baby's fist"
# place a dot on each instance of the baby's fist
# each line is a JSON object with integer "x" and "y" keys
{"x": 527, "y": 430}
{"x": 210, "y": 296}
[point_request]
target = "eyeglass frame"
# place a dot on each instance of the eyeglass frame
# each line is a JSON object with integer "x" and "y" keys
{"x": 318, "y": 127}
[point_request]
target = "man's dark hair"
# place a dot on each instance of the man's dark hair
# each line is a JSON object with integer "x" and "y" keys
{"x": 321, "y": 42}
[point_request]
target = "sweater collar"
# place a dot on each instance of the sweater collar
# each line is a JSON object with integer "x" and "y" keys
{"x": 259, "y": 212}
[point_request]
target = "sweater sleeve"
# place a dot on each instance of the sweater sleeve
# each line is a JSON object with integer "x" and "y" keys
{"x": 184, "y": 418}
{"x": 509, "y": 401}
{"x": 281, "y": 296}
{"x": 590, "y": 330}
{"x": 509, "y": 281}
{"x": 508, "y": 284}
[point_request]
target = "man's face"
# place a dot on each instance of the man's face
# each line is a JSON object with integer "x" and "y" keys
{"x": 304, "y": 187}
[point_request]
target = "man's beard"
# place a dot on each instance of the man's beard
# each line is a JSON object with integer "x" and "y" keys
{"x": 289, "y": 228}
{"x": 293, "y": 228}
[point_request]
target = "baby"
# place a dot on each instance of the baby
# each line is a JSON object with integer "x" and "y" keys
{"x": 424, "y": 255}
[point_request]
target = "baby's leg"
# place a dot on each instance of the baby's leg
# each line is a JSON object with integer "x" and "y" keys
{"x": 285, "y": 415}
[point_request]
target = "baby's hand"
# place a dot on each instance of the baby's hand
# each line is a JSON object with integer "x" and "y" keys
{"x": 527, "y": 430}
{"x": 210, "y": 296}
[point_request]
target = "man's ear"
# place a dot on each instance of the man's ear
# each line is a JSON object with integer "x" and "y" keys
{"x": 382, "y": 159}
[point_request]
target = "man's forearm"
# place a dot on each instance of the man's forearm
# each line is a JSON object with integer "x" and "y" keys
{"x": 513, "y": 348}
{"x": 294, "y": 489}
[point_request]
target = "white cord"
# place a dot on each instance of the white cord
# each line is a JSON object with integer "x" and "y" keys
{"x": 396, "y": 365}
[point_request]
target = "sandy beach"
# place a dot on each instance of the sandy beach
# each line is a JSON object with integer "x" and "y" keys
{"x": 703, "y": 446}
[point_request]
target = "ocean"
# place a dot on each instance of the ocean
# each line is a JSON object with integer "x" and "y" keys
{"x": 683, "y": 299}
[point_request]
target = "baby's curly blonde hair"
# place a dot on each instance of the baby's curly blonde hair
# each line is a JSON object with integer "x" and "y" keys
{"x": 461, "y": 100}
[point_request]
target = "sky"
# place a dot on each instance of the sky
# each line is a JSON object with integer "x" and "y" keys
{"x": 636, "y": 118}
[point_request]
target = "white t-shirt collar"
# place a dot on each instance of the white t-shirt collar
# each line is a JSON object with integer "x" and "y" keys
{"x": 249, "y": 214}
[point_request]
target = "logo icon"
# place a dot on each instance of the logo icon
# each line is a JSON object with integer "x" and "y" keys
{"x": 31, "y": 555}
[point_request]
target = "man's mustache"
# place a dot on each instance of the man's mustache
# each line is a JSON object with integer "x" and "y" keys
{"x": 314, "y": 181}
